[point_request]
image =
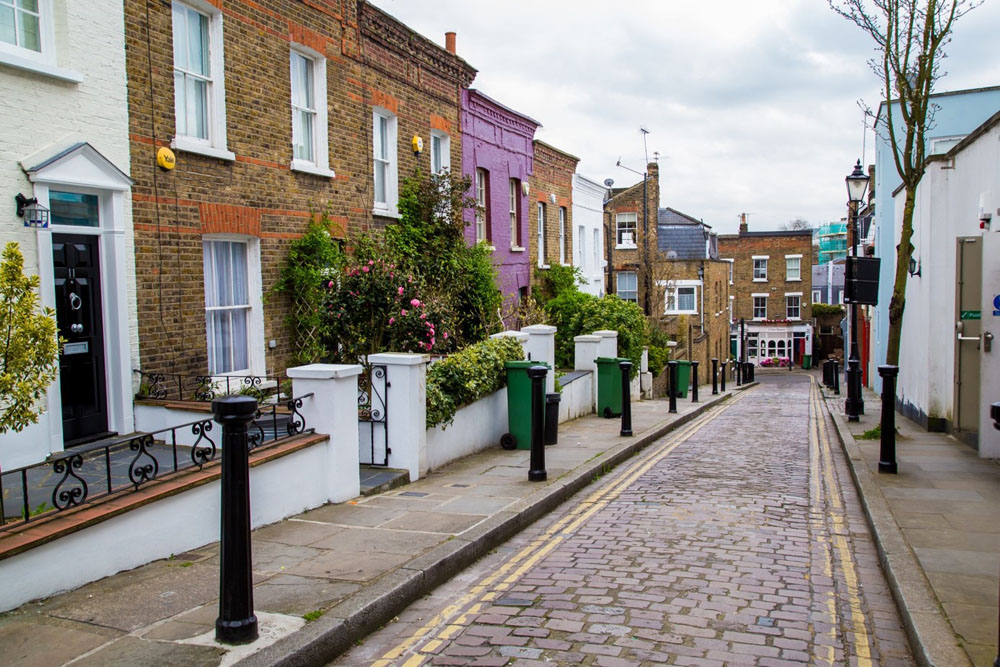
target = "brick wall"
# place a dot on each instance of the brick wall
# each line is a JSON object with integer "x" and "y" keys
{"x": 371, "y": 60}
{"x": 553, "y": 178}
{"x": 629, "y": 200}
{"x": 775, "y": 246}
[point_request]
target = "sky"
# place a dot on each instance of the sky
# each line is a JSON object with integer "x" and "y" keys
{"x": 752, "y": 105}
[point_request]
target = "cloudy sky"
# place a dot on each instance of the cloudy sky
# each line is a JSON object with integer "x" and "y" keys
{"x": 751, "y": 104}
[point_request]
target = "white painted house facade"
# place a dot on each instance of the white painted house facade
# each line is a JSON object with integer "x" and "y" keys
{"x": 588, "y": 237}
{"x": 64, "y": 141}
{"x": 949, "y": 368}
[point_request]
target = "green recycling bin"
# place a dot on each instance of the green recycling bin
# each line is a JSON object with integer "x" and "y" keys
{"x": 519, "y": 404}
{"x": 807, "y": 361}
{"x": 609, "y": 386}
{"x": 683, "y": 378}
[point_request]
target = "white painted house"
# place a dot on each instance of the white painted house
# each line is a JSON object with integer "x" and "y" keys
{"x": 949, "y": 368}
{"x": 64, "y": 141}
{"x": 588, "y": 237}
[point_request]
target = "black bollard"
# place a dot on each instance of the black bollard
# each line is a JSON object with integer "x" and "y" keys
{"x": 672, "y": 385}
{"x": 836, "y": 377}
{"x": 626, "y": 367}
{"x": 723, "y": 376}
{"x": 737, "y": 369}
{"x": 826, "y": 373}
{"x": 236, "y": 623}
{"x": 715, "y": 376}
{"x": 752, "y": 370}
{"x": 537, "y": 472}
{"x": 887, "y": 451}
{"x": 694, "y": 381}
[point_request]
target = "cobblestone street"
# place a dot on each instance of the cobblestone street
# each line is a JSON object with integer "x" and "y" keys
{"x": 737, "y": 539}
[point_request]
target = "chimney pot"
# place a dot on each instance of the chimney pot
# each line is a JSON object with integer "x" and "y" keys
{"x": 449, "y": 42}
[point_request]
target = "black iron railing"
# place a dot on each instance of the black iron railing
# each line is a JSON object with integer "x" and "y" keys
{"x": 205, "y": 388}
{"x": 89, "y": 473}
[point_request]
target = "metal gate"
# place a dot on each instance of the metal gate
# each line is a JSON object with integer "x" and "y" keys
{"x": 373, "y": 424}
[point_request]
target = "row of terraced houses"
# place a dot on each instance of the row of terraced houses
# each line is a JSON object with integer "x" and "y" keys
{"x": 270, "y": 111}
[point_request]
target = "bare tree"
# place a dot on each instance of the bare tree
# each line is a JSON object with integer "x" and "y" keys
{"x": 909, "y": 37}
{"x": 795, "y": 225}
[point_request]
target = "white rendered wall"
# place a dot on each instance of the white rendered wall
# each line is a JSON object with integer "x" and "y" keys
{"x": 947, "y": 207}
{"x": 588, "y": 211}
{"x": 184, "y": 521}
{"x": 41, "y": 111}
{"x": 577, "y": 398}
{"x": 476, "y": 427}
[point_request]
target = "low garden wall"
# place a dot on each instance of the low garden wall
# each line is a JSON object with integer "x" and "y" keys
{"x": 476, "y": 427}
{"x": 577, "y": 395}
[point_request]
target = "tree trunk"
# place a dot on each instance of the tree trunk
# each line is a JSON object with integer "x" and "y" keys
{"x": 903, "y": 253}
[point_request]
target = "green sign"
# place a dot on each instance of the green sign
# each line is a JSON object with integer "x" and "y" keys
{"x": 972, "y": 315}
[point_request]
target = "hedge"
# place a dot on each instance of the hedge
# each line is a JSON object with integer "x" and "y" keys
{"x": 468, "y": 375}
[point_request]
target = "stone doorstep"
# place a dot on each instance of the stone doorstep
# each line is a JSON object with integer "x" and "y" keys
{"x": 35, "y": 533}
{"x": 930, "y": 634}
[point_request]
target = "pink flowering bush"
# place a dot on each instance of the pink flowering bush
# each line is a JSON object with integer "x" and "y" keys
{"x": 374, "y": 306}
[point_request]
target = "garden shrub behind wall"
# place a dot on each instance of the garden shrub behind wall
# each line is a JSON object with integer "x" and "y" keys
{"x": 467, "y": 376}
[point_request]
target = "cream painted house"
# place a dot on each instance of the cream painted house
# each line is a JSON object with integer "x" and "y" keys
{"x": 64, "y": 141}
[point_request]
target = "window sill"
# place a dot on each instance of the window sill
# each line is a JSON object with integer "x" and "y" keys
{"x": 681, "y": 312}
{"x": 626, "y": 247}
{"x": 386, "y": 213}
{"x": 38, "y": 67}
{"x": 189, "y": 145}
{"x": 758, "y": 280}
{"x": 516, "y": 248}
{"x": 544, "y": 267}
{"x": 793, "y": 280}
{"x": 311, "y": 168}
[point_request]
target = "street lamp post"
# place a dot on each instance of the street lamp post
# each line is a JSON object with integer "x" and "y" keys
{"x": 857, "y": 183}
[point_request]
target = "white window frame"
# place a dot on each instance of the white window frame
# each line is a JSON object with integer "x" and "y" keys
{"x": 618, "y": 285}
{"x": 840, "y": 298}
{"x": 622, "y": 226}
{"x": 444, "y": 142}
{"x": 753, "y": 304}
{"x": 581, "y": 245}
{"x": 793, "y": 295}
{"x": 788, "y": 275}
{"x": 753, "y": 267}
{"x": 215, "y": 145}
{"x": 255, "y": 316}
{"x": 562, "y": 236}
{"x": 671, "y": 293}
{"x": 482, "y": 205}
{"x": 732, "y": 263}
{"x": 540, "y": 211}
{"x": 320, "y": 164}
{"x": 514, "y": 206}
{"x": 389, "y": 206}
{"x": 817, "y": 296}
{"x": 42, "y": 61}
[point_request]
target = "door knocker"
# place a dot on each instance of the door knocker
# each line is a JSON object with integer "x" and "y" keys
{"x": 75, "y": 302}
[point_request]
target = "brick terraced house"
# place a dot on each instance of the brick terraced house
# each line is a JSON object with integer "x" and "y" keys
{"x": 551, "y": 234}
{"x": 632, "y": 245}
{"x": 275, "y": 110}
{"x": 772, "y": 285}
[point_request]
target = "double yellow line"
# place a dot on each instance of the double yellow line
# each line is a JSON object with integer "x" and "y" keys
{"x": 821, "y": 460}
{"x": 459, "y": 614}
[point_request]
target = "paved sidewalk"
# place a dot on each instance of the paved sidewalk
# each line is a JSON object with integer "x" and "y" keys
{"x": 937, "y": 526}
{"x": 347, "y": 568}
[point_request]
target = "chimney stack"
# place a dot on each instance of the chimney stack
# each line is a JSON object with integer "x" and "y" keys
{"x": 743, "y": 223}
{"x": 449, "y": 42}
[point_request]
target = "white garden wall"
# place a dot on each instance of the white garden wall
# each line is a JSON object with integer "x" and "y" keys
{"x": 178, "y": 523}
{"x": 577, "y": 398}
{"x": 476, "y": 427}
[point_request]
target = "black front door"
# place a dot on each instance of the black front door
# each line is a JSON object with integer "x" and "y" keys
{"x": 78, "y": 312}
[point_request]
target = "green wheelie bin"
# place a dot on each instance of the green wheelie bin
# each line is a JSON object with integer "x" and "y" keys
{"x": 519, "y": 405}
{"x": 609, "y": 386}
{"x": 683, "y": 378}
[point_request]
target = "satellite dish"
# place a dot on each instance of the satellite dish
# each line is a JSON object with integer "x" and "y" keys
{"x": 608, "y": 182}
{"x": 671, "y": 254}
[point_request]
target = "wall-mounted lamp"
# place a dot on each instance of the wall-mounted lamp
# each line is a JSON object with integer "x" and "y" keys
{"x": 525, "y": 188}
{"x": 914, "y": 267}
{"x": 418, "y": 144}
{"x": 34, "y": 214}
{"x": 552, "y": 198}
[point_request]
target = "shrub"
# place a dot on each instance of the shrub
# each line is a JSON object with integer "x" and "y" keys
{"x": 565, "y": 312}
{"x": 467, "y": 376}
{"x": 556, "y": 281}
{"x": 625, "y": 317}
{"x": 659, "y": 351}
{"x": 311, "y": 261}
{"x": 826, "y": 309}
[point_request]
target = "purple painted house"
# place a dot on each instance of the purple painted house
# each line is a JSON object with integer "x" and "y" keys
{"x": 498, "y": 157}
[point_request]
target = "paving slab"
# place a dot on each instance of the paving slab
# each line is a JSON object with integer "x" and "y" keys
{"x": 939, "y": 537}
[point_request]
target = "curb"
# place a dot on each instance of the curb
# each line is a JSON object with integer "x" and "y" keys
{"x": 932, "y": 640}
{"x": 374, "y": 605}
